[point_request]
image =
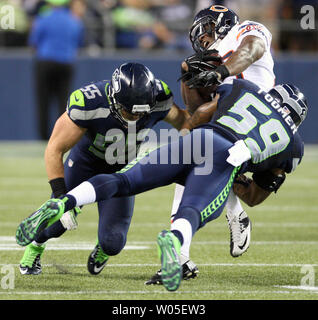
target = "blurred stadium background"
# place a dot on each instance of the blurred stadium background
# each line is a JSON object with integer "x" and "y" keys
{"x": 155, "y": 32}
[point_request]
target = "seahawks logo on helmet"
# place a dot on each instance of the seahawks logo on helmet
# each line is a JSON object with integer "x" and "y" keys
{"x": 290, "y": 97}
{"x": 132, "y": 89}
{"x": 115, "y": 81}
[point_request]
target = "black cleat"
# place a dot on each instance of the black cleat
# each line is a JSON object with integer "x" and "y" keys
{"x": 31, "y": 260}
{"x": 189, "y": 271}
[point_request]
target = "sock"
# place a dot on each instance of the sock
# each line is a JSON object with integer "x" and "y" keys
{"x": 179, "y": 235}
{"x": 53, "y": 231}
{"x": 82, "y": 194}
{"x": 178, "y": 193}
{"x": 98, "y": 188}
{"x": 182, "y": 229}
{"x": 187, "y": 226}
{"x": 233, "y": 204}
{"x": 69, "y": 202}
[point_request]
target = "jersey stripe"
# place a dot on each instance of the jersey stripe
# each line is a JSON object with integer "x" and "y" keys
{"x": 76, "y": 114}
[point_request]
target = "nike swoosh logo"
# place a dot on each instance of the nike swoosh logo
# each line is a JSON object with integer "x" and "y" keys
{"x": 76, "y": 99}
{"x": 242, "y": 246}
{"x": 23, "y": 271}
{"x": 98, "y": 269}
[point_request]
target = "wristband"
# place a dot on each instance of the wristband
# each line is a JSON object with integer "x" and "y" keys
{"x": 223, "y": 71}
{"x": 268, "y": 180}
{"x": 58, "y": 186}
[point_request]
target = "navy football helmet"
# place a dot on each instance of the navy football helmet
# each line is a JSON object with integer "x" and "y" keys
{"x": 293, "y": 99}
{"x": 132, "y": 90}
{"x": 216, "y": 21}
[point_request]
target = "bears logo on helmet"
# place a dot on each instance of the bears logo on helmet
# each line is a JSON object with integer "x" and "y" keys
{"x": 216, "y": 21}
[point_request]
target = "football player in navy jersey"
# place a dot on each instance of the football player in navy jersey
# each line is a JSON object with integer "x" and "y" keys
{"x": 96, "y": 116}
{"x": 225, "y": 49}
{"x": 251, "y": 131}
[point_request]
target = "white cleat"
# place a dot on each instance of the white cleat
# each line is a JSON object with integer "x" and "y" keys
{"x": 240, "y": 229}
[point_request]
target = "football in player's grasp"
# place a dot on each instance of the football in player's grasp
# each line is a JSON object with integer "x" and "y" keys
{"x": 206, "y": 92}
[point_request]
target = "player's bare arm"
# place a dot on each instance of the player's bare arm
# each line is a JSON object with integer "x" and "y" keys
{"x": 192, "y": 98}
{"x": 254, "y": 192}
{"x": 177, "y": 117}
{"x": 250, "y": 50}
{"x": 64, "y": 136}
{"x": 202, "y": 115}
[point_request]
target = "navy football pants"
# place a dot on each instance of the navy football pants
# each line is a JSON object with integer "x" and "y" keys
{"x": 204, "y": 196}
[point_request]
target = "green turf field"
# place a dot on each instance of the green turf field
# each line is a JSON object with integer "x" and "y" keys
{"x": 281, "y": 260}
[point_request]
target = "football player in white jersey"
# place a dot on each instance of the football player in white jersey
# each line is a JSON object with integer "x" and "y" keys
{"x": 245, "y": 49}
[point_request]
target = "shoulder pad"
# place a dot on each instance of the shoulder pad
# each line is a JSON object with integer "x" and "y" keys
{"x": 88, "y": 103}
{"x": 164, "y": 91}
{"x": 76, "y": 99}
{"x": 254, "y": 28}
{"x": 164, "y": 99}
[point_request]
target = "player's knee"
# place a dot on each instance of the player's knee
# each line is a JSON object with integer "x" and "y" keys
{"x": 112, "y": 243}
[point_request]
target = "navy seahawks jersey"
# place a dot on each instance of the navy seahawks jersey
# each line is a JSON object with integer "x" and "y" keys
{"x": 89, "y": 107}
{"x": 248, "y": 113}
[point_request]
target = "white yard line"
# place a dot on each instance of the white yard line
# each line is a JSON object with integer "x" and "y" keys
{"x": 291, "y": 224}
{"x": 129, "y": 265}
{"x": 8, "y": 243}
{"x": 179, "y": 292}
{"x": 68, "y": 247}
{"x": 306, "y": 288}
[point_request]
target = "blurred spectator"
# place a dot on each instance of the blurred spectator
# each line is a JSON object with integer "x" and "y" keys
{"x": 56, "y": 37}
{"x": 35, "y": 7}
{"x": 133, "y": 24}
{"x": 177, "y": 16}
{"x": 292, "y": 37}
{"x": 137, "y": 27}
{"x": 255, "y": 10}
{"x": 99, "y": 25}
{"x": 152, "y": 24}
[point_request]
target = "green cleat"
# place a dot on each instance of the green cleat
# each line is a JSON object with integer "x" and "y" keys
{"x": 31, "y": 227}
{"x": 31, "y": 260}
{"x": 169, "y": 252}
{"x": 97, "y": 260}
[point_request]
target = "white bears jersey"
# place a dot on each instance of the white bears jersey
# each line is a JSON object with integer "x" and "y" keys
{"x": 261, "y": 71}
